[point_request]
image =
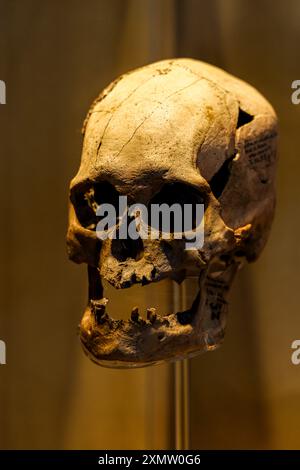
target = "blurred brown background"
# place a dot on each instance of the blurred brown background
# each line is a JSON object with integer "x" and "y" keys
{"x": 55, "y": 57}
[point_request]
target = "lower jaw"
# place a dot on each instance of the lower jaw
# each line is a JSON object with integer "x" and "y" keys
{"x": 129, "y": 363}
{"x": 137, "y": 342}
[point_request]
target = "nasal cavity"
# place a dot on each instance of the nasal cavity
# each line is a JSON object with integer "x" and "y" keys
{"x": 123, "y": 250}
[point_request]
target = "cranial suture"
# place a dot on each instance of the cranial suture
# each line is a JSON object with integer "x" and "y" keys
{"x": 173, "y": 129}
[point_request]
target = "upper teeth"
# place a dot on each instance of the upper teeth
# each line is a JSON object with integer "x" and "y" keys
{"x": 151, "y": 314}
{"x": 135, "y": 316}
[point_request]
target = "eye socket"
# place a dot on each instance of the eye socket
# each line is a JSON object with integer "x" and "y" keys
{"x": 221, "y": 178}
{"x": 86, "y": 201}
{"x": 176, "y": 193}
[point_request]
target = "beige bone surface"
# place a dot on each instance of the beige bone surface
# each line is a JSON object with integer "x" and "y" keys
{"x": 176, "y": 122}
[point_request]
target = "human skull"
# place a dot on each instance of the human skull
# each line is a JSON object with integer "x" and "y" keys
{"x": 173, "y": 131}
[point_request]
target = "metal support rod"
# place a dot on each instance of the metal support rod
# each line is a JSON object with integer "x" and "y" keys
{"x": 182, "y": 378}
{"x": 182, "y": 405}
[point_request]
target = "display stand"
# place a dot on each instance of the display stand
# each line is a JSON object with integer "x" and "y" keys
{"x": 182, "y": 295}
{"x": 182, "y": 405}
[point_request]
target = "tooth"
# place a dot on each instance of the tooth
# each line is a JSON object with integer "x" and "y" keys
{"x": 145, "y": 280}
{"x": 135, "y": 316}
{"x": 98, "y": 311}
{"x": 151, "y": 314}
{"x": 153, "y": 272}
{"x": 103, "y": 319}
{"x": 99, "y": 303}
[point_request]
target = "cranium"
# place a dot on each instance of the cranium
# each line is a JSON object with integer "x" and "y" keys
{"x": 173, "y": 131}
